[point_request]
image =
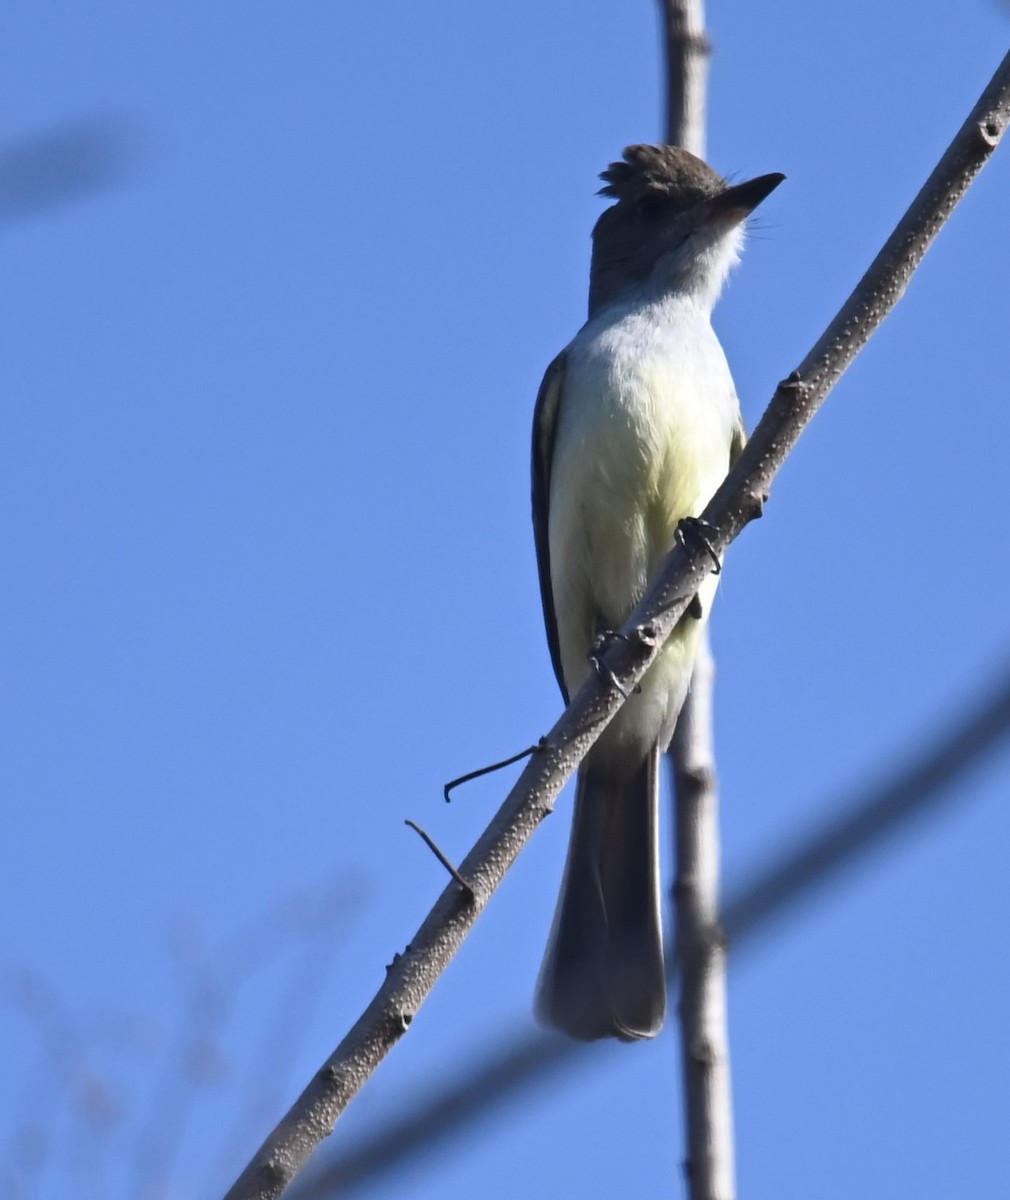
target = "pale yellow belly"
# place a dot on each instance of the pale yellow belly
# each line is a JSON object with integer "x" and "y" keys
{"x": 631, "y": 461}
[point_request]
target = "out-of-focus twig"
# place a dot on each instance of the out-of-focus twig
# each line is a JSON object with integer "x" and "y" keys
{"x": 856, "y": 830}
{"x": 56, "y": 1085}
{"x": 211, "y": 979}
{"x": 46, "y": 170}
{"x": 92, "y": 1111}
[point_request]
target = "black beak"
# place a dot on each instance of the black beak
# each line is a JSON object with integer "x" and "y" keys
{"x": 738, "y": 201}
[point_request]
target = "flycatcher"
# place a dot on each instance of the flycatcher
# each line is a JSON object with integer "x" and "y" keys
{"x": 636, "y": 425}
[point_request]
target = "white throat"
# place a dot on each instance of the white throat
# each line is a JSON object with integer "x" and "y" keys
{"x": 697, "y": 269}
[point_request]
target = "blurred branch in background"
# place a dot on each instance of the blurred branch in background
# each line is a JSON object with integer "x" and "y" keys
{"x": 303, "y": 929}
{"x": 65, "y": 163}
{"x": 116, "y": 1095}
{"x": 56, "y": 1096}
{"x": 825, "y": 856}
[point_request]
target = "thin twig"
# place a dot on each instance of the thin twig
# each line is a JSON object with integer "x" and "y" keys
{"x": 480, "y": 772}
{"x": 738, "y": 500}
{"x": 855, "y": 829}
{"x": 686, "y": 52}
{"x": 432, "y": 845}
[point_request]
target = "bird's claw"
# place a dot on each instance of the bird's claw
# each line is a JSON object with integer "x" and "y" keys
{"x": 695, "y": 527}
{"x": 604, "y": 672}
{"x": 601, "y": 642}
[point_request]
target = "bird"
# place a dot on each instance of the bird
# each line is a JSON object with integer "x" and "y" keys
{"x": 636, "y": 424}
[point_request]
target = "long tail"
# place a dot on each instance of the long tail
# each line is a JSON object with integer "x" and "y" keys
{"x": 603, "y": 973}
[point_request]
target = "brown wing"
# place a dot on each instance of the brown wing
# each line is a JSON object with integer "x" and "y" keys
{"x": 545, "y": 417}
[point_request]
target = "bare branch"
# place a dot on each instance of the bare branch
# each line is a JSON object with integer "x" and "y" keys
{"x": 412, "y": 975}
{"x": 701, "y": 947}
{"x": 686, "y": 53}
{"x": 703, "y": 1024}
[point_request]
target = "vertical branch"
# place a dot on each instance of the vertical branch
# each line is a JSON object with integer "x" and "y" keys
{"x": 701, "y": 946}
{"x": 686, "y": 54}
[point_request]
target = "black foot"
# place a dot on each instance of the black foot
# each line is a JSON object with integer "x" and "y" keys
{"x": 694, "y": 528}
{"x": 601, "y": 642}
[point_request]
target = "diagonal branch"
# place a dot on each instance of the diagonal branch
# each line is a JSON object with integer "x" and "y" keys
{"x": 412, "y": 975}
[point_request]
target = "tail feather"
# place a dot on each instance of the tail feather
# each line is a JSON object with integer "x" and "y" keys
{"x": 603, "y": 974}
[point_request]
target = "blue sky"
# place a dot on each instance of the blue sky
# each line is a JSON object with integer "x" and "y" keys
{"x": 269, "y": 579}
